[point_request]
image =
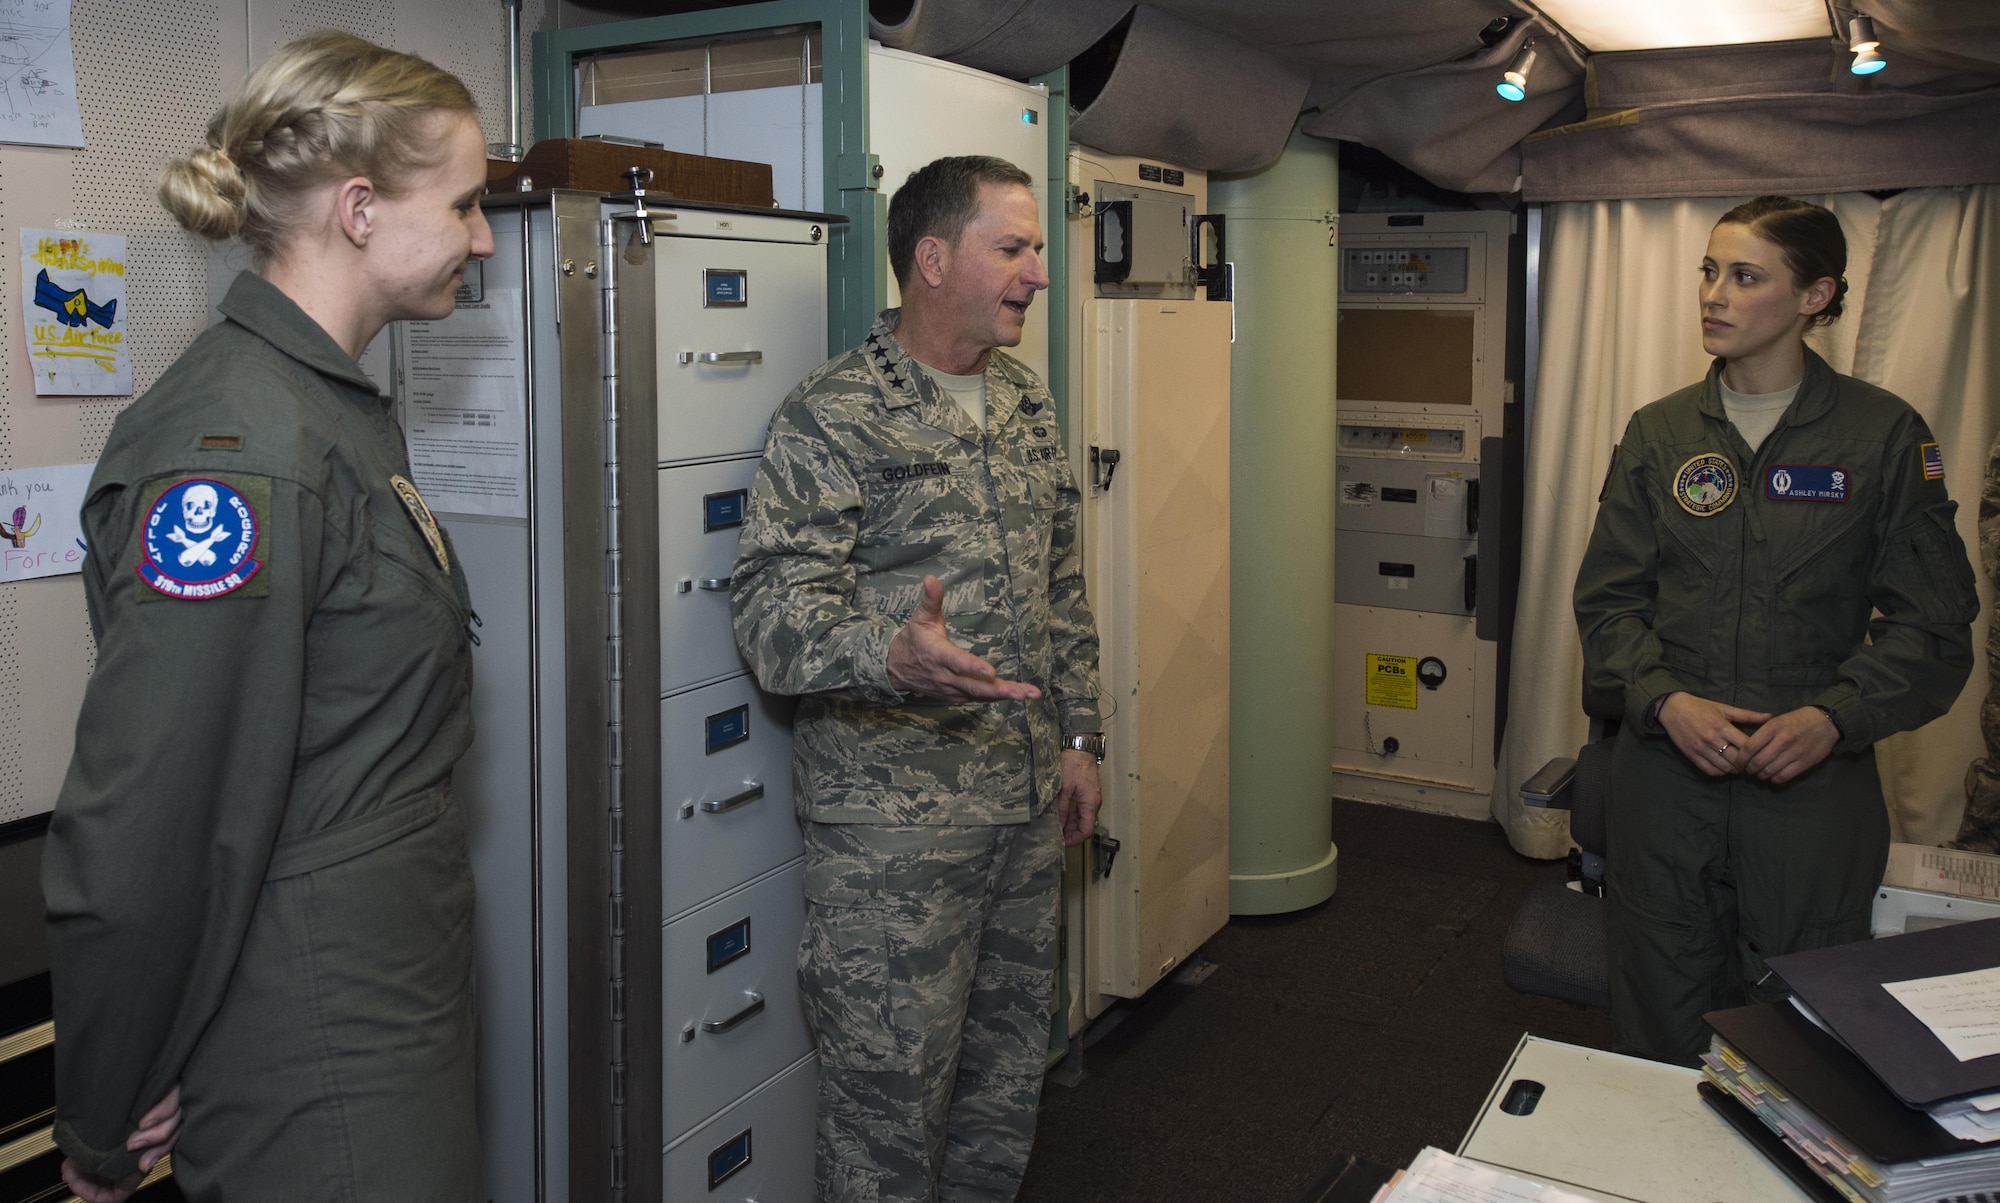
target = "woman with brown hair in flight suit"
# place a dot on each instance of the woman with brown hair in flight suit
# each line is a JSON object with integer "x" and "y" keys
{"x": 1774, "y": 584}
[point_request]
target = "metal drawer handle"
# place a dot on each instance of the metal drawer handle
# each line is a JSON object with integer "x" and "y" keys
{"x": 688, "y": 357}
{"x": 716, "y": 584}
{"x": 716, "y": 806}
{"x": 714, "y": 1026}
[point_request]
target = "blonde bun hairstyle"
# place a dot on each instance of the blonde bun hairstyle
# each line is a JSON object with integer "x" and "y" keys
{"x": 327, "y": 107}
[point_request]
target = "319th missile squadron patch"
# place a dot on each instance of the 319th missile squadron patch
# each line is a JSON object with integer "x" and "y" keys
{"x": 198, "y": 538}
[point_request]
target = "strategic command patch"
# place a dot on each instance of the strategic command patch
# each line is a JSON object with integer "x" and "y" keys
{"x": 1706, "y": 484}
{"x": 1805, "y": 482}
{"x": 427, "y": 525}
{"x": 197, "y": 540}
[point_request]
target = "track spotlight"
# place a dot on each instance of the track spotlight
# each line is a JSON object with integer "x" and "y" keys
{"x": 1514, "y": 84}
{"x": 1866, "y": 46}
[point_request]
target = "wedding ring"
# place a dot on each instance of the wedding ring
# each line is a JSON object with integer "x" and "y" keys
{"x": 1724, "y": 749}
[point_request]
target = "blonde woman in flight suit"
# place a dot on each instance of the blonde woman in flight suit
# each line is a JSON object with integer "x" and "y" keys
{"x": 259, "y": 904}
{"x": 1750, "y": 526}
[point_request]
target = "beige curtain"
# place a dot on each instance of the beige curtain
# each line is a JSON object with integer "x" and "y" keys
{"x": 1619, "y": 330}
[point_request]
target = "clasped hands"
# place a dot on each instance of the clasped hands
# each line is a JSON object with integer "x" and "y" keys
{"x": 154, "y": 1138}
{"x": 1781, "y": 748}
{"x": 924, "y": 661}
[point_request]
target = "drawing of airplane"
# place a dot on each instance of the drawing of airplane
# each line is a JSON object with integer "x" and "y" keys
{"x": 72, "y": 308}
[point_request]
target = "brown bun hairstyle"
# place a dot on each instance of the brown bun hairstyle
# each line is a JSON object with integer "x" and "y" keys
{"x": 1811, "y": 239}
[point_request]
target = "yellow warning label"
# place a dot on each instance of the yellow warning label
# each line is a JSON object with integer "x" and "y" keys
{"x": 1415, "y": 436}
{"x": 1392, "y": 681}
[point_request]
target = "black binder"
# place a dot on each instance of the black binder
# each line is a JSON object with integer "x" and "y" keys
{"x": 1843, "y": 986}
{"x": 1812, "y": 1067}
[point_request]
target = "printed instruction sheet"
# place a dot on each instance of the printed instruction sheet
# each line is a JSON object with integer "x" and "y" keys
{"x": 1961, "y": 1009}
{"x": 465, "y": 407}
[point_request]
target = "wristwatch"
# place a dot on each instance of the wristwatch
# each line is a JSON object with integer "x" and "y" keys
{"x": 1086, "y": 741}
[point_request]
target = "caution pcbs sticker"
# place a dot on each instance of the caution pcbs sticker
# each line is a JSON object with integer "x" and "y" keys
{"x": 1392, "y": 681}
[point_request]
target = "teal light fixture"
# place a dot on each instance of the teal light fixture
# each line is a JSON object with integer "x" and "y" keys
{"x": 1866, "y": 46}
{"x": 1514, "y": 84}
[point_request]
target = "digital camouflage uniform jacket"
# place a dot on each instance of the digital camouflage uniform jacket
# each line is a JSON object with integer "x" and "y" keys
{"x": 1842, "y": 583}
{"x": 872, "y": 479}
{"x": 1981, "y": 829}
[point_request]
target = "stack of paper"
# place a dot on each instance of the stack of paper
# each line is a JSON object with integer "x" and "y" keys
{"x": 1438, "y": 1177}
{"x": 1975, "y": 1119}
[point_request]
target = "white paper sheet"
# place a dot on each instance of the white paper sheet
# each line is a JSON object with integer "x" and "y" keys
{"x": 41, "y": 525}
{"x": 465, "y": 407}
{"x": 38, "y": 74}
{"x": 1961, "y": 1009}
{"x": 74, "y": 313}
{"x": 1438, "y": 1177}
{"x": 1444, "y": 506}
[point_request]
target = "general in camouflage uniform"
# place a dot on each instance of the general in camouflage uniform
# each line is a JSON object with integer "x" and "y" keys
{"x": 932, "y": 830}
{"x": 1981, "y": 828}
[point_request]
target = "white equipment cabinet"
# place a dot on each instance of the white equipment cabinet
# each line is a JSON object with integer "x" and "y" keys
{"x": 1422, "y": 387}
{"x": 730, "y": 97}
{"x": 587, "y": 427}
{"x": 1151, "y": 437}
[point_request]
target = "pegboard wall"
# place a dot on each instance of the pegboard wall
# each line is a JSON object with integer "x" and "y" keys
{"x": 150, "y": 74}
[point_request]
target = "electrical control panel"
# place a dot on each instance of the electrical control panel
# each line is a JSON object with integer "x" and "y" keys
{"x": 1432, "y": 270}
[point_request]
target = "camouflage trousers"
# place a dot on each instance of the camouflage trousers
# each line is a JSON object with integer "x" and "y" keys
{"x": 1981, "y": 829}
{"x": 927, "y": 966}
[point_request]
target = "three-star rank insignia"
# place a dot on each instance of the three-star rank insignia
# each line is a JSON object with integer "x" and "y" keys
{"x": 427, "y": 523}
{"x": 1706, "y": 484}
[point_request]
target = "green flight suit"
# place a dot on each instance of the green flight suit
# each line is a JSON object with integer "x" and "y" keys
{"x": 933, "y": 854}
{"x": 256, "y": 873}
{"x": 1750, "y": 578}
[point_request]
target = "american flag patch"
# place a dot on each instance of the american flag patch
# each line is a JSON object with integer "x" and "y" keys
{"x": 1933, "y": 461}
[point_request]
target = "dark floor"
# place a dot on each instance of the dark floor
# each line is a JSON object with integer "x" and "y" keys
{"x": 1372, "y": 1025}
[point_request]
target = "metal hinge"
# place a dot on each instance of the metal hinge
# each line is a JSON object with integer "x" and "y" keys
{"x": 614, "y": 705}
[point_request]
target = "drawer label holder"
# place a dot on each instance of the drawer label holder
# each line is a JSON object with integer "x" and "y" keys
{"x": 724, "y": 288}
{"x": 730, "y": 944}
{"x": 720, "y": 511}
{"x": 725, "y": 730}
{"x": 728, "y": 1158}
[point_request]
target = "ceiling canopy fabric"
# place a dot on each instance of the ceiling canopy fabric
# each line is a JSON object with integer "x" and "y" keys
{"x": 1218, "y": 84}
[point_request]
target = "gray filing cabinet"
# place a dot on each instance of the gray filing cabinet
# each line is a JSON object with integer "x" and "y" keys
{"x": 587, "y": 426}
{"x": 740, "y": 319}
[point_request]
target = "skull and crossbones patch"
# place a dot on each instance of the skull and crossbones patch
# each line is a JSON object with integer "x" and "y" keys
{"x": 198, "y": 537}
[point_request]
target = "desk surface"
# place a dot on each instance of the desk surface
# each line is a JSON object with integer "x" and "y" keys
{"x": 1620, "y": 1128}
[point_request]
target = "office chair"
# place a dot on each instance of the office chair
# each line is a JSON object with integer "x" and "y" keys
{"x": 1556, "y": 944}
